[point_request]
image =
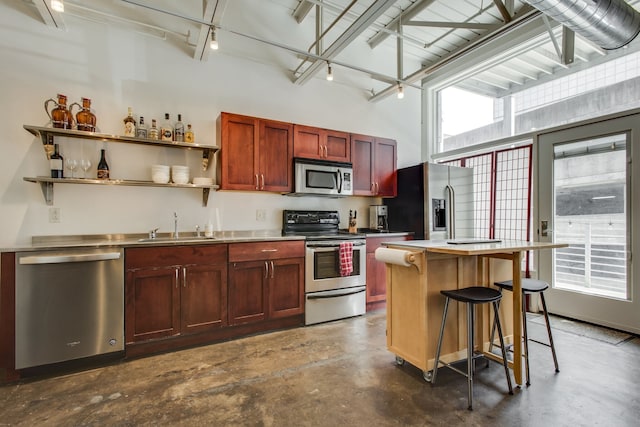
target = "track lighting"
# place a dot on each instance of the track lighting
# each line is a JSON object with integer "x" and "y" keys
{"x": 400, "y": 92}
{"x": 214, "y": 43}
{"x": 329, "y": 72}
{"x": 57, "y": 5}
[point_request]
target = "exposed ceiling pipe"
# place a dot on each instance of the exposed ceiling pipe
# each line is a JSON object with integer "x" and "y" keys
{"x": 609, "y": 24}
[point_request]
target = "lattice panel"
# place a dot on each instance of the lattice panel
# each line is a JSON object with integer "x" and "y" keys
{"x": 513, "y": 194}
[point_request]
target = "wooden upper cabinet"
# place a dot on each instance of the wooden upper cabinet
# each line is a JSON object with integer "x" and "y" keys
{"x": 374, "y": 166}
{"x": 255, "y": 154}
{"x": 322, "y": 144}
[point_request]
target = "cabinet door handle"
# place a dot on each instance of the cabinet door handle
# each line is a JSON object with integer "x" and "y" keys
{"x": 272, "y": 269}
{"x": 269, "y": 250}
{"x": 326, "y": 152}
{"x": 184, "y": 277}
{"x": 257, "y": 184}
{"x": 262, "y": 186}
{"x": 373, "y": 188}
{"x": 266, "y": 270}
{"x": 177, "y": 273}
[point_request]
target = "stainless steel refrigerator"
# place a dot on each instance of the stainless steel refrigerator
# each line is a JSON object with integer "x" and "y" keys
{"x": 434, "y": 202}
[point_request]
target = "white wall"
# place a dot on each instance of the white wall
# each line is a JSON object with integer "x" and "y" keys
{"x": 118, "y": 68}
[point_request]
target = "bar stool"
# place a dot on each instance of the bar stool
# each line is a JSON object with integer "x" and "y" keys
{"x": 471, "y": 296}
{"x": 529, "y": 286}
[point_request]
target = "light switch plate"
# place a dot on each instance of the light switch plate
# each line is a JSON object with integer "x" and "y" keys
{"x": 54, "y": 215}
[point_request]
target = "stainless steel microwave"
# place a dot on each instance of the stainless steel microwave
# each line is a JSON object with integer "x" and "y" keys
{"x": 322, "y": 178}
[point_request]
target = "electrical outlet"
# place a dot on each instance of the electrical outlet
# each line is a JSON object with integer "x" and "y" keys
{"x": 54, "y": 215}
{"x": 261, "y": 215}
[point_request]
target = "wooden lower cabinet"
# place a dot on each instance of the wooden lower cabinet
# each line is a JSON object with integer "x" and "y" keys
{"x": 377, "y": 272}
{"x": 173, "y": 291}
{"x": 266, "y": 281}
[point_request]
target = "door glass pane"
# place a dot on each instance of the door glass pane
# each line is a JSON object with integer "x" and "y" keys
{"x": 590, "y": 191}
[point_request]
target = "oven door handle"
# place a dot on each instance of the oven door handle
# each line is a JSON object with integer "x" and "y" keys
{"x": 330, "y": 245}
{"x": 336, "y": 295}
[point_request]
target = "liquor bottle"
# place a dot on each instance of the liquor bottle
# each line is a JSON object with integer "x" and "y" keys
{"x": 178, "y": 130}
{"x": 188, "y": 135}
{"x": 141, "y": 131}
{"x": 166, "y": 130}
{"x": 153, "y": 130}
{"x": 85, "y": 119}
{"x": 56, "y": 163}
{"x": 129, "y": 124}
{"x": 103, "y": 167}
{"x": 48, "y": 147}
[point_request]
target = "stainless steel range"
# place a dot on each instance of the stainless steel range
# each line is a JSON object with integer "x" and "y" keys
{"x": 328, "y": 294}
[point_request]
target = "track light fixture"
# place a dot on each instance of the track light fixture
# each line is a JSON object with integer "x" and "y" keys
{"x": 400, "y": 91}
{"x": 57, "y": 5}
{"x": 329, "y": 72}
{"x": 214, "y": 42}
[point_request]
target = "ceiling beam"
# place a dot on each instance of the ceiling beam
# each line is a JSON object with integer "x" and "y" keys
{"x": 302, "y": 10}
{"x": 212, "y": 12}
{"x": 369, "y": 16}
{"x": 407, "y": 15}
{"x": 439, "y": 24}
{"x": 49, "y": 16}
{"x": 503, "y": 10}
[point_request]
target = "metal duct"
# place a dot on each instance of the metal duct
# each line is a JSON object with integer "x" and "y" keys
{"x": 609, "y": 24}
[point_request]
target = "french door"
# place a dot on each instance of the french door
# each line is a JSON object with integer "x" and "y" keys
{"x": 587, "y": 197}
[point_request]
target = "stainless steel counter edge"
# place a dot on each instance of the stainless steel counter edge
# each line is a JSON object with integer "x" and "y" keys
{"x": 134, "y": 240}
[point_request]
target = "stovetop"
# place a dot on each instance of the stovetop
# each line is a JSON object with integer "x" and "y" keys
{"x": 315, "y": 225}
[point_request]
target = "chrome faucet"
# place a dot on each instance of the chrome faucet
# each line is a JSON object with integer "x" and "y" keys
{"x": 175, "y": 226}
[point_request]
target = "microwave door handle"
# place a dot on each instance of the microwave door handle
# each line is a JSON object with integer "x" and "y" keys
{"x": 339, "y": 181}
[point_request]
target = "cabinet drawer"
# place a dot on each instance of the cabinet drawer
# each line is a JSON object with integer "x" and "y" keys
{"x": 265, "y": 250}
{"x": 165, "y": 256}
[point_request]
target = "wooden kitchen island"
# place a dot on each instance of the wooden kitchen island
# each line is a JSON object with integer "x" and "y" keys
{"x": 415, "y": 305}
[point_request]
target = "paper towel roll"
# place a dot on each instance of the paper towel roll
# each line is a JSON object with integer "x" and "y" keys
{"x": 394, "y": 256}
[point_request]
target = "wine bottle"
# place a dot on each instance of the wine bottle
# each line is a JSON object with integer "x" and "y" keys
{"x": 166, "y": 130}
{"x": 178, "y": 130}
{"x": 56, "y": 163}
{"x": 130, "y": 124}
{"x": 141, "y": 131}
{"x": 188, "y": 135}
{"x": 153, "y": 130}
{"x": 103, "y": 167}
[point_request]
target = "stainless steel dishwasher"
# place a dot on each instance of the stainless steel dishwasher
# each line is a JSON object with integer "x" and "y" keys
{"x": 69, "y": 305}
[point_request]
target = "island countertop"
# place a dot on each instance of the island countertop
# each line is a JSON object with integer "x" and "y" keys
{"x": 466, "y": 247}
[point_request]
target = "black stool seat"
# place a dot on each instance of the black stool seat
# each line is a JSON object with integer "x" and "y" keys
{"x": 529, "y": 286}
{"x": 474, "y": 295}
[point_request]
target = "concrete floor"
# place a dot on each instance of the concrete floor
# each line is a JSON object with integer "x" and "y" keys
{"x": 338, "y": 374}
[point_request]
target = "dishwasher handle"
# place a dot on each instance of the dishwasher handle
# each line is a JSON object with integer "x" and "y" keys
{"x": 57, "y": 259}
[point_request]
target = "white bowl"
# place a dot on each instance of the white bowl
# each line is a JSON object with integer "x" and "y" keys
{"x": 180, "y": 174}
{"x": 200, "y": 180}
{"x": 160, "y": 178}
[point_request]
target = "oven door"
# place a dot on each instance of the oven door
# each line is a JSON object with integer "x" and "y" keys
{"x": 336, "y": 304}
{"x": 322, "y": 266}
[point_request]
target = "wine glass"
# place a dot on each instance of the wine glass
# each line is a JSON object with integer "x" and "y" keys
{"x": 71, "y": 164}
{"x": 85, "y": 164}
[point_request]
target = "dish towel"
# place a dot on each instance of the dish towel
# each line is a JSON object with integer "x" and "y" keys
{"x": 346, "y": 258}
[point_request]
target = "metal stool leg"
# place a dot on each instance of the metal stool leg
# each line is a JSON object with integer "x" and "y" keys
{"x": 525, "y": 338}
{"x": 493, "y": 328}
{"x": 546, "y": 318}
{"x": 505, "y": 362}
{"x": 470, "y": 333}
{"x": 437, "y": 359}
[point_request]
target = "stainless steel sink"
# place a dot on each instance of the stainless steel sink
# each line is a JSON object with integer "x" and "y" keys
{"x": 175, "y": 240}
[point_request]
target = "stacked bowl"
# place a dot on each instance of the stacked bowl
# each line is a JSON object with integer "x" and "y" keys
{"x": 180, "y": 174}
{"x": 160, "y": 174}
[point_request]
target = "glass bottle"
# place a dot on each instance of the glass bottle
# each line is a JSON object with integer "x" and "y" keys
{"x": 56, "y": 163}
{"x": 60, "y": 116}
{"x": 178, "y": 130}
{"x": 141, "y": 131}
{"x": 103, "y": 167}
{"x": 48, "y": 147}
{"x": 153, "y": 130}
{"x": 85, "y": 119}
{"x": 188, "y": 135}
{"x": 129, "y": 124}
{"x": 166, "y": 130}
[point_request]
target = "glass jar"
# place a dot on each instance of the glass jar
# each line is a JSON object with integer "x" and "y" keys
{"x": 85, "y": 119}
{"x": 60, "y": 116}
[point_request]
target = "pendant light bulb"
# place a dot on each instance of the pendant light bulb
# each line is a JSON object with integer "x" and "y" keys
{"x": 57, "y": 5}
{"x": 329, "y": 73}
{"x": 214, "y": 43}
{"x": 400, "y": 92}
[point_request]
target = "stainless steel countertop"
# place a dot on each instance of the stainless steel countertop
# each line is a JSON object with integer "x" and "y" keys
{"x": 142, "y": 240}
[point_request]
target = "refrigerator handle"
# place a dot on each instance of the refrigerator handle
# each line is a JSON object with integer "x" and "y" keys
{"x": 451, "y": 212}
